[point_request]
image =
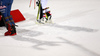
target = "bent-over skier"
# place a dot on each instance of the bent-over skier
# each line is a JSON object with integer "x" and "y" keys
{"x": 44, "y": 10}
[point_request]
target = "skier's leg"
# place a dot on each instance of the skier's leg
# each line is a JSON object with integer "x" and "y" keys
{"x": 8, "y": 13}
{"x": 46, "y": 11}
{"x": 9, "y": 28}
{"x": 7, "y": 22}
{"x": 43, "y": 4}
{"x": 10, "y": 17}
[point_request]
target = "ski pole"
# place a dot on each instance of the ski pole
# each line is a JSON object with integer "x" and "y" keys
{"x": 34, "y": 3}
{"x": 30, "y": 3}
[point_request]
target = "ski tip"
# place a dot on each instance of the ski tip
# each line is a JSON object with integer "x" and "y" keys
{"x": 38, "y": 23}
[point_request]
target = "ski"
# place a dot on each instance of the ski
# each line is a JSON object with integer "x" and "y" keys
{"x": 38, "y": 9}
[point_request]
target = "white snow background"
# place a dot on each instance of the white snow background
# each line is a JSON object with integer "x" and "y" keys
{"x": 75, "y": 30}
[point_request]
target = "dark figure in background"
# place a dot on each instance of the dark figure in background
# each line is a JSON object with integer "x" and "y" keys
{"x": 1, "y": 21}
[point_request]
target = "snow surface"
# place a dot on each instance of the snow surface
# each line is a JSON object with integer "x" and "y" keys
{"x": 75, "y": 30}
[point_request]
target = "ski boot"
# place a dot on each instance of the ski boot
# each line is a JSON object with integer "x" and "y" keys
{"x": 40, "y": 21}
{"x": 48, "y": 17}
{"x": 44, "y": 18}
{"x": 10, "y": 31}
{"x": 13, "y": 24}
